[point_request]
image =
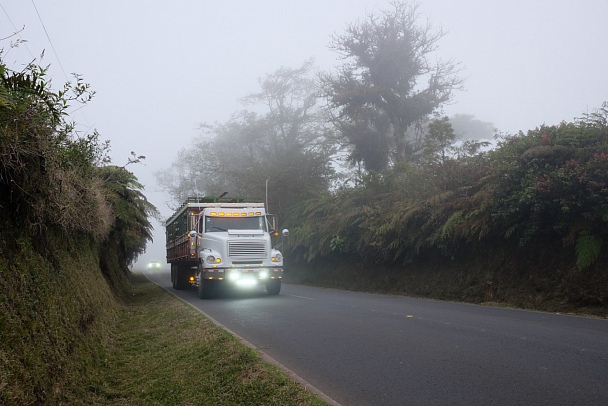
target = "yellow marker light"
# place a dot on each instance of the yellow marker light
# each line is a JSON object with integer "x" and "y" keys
{"x": 192, "y": 279}
{"x": 218, "y": 260}
{"x": 213, "y": 213}
{"x": 258, "y": 213}
{"x": 251, "y": 213}
{"x": 222, "y": 214}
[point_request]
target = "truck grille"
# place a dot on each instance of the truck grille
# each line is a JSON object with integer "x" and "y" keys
{"x": 246, "y": 249}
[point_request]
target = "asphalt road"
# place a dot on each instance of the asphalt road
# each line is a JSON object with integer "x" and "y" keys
{"x": 368, "y": 349}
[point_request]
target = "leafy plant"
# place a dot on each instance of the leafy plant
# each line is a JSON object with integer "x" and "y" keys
{"x": 588, "y": 249}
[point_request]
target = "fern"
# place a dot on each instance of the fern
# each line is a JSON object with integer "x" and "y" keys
{"x": 454, "y": 221}
{"x": 511, "y": 230}
{"x": 604, "y": 212}
{"x": 588, "y": 249}
{"x": 440, "y": 198}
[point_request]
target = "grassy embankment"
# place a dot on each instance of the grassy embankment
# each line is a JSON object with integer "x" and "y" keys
{"x": 66, "y": 338}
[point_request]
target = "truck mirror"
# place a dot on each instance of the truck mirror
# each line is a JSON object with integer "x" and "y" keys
{"x": 285, "y": 232}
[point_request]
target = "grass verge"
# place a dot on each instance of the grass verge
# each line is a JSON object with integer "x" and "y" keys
{"x": 166, "y": 353}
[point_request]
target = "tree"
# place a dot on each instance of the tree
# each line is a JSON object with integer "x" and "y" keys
{"x": 378, "y": 94}
{"x": 285, "y": 145}
{"x": 469, "y": 127}
{"x": 438, "y": 145}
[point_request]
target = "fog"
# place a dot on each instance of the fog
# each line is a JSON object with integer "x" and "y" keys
{"x": 161, "y": 68}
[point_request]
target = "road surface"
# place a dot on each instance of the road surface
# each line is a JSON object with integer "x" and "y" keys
{"x": 370, "y": 349}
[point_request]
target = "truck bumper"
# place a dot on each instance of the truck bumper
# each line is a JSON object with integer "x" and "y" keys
{"x": 234, "y": 274}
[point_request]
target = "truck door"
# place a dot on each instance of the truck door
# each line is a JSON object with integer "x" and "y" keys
{"x": 193, "y": 235}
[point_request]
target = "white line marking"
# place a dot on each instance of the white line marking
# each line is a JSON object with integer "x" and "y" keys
{"x": 300, "y": 297}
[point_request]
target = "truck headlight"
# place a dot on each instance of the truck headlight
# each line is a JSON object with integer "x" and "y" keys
{"x": 211, "y": 259}
{"x": 278, "y": 257}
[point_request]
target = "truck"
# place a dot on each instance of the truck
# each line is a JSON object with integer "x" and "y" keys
{"x": 217, "y": 242}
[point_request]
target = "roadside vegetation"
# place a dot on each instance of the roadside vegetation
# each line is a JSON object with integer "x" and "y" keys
{"x": 524, "y": 224}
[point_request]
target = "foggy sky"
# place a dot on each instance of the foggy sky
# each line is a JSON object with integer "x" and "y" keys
{"x": 162, "y": 67}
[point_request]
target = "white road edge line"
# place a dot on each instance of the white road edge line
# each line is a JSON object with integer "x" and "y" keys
{"x": 299, "y": 297}
{"x": 265, "y": 357}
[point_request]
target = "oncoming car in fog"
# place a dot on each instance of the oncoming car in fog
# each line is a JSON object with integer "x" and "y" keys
{"x": 154, "y": 266}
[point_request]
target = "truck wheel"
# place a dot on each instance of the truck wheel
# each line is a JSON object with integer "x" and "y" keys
{"x": 181, "y": 278}
{"x": 173, "y": 276}
{"x": 206, "y": 288}
{"x": 273, "y": 287}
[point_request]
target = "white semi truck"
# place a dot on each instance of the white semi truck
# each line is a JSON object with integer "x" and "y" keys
{"x": 215, "y": 242}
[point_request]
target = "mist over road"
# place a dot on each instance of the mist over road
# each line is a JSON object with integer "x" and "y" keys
{"x": 369, "y": 349}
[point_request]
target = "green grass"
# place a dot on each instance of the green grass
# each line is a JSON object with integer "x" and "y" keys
{"x": 166, "y": 353}
{"x": 57, "y": 317}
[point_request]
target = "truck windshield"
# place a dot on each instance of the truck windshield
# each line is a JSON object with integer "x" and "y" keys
{"x": 219, "y": 224}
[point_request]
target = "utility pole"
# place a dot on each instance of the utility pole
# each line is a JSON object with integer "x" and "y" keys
{"x": 266, "y": 203}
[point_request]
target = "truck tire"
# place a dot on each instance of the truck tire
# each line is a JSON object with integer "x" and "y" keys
{"x": 273, "y": 287}
{"x": 180, "y": 281}
{"x": 173, "y": 277}
{"x": 206, "y": 289}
